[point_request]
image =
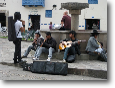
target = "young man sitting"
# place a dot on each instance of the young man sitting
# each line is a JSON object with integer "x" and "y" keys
{"x": 49, "y": 46}
{"x": 38, "y": 40}
{"x": 74, "y": 47}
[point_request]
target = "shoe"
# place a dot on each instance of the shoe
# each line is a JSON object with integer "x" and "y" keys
{"x": 48, "y": 59}
{"x": 64, "y": 60}
{"x": 24, "y": 56}
{"x": 35, "y": 58}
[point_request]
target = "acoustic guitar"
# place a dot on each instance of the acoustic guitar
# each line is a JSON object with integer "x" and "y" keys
{"x": 65, "y": 44}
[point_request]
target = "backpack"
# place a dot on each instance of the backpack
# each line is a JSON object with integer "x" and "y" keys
{"x": 11, "y": 29}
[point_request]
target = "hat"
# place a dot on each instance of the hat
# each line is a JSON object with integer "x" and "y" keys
{"x": 38, "y": 32}
{"x": 95, "y": 32}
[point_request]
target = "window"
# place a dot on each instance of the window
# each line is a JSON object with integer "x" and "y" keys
{"x": 48, "y": 14}
{"x": 91, "y": 24}
{"x": 93, "y": 1}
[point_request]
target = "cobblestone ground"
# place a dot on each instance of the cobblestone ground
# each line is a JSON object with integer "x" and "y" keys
{"x": 16, "y": 73}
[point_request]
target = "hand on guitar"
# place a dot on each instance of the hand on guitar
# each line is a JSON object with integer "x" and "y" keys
{"x": 63, "y": 43}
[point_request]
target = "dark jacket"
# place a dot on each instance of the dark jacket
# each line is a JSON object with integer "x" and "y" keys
{"x": 76, "y": 45}
{"x": 50, "y": 43}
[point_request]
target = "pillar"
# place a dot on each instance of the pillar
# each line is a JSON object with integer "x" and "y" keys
{"x": 75, "y": 19}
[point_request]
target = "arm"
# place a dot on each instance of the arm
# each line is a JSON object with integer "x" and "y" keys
{"x": 22, "y": 26}
{"x": 62, "y": 21}
{"x": 94, "y": 43}
{"x": 53, "y": 44}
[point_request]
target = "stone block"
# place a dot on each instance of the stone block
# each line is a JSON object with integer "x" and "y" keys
{"x": 74, "y": 6}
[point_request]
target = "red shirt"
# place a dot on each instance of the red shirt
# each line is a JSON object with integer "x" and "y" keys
{"x": 67, "y": 22}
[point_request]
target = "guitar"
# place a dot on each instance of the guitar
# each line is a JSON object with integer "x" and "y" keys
{"x": 65, "y": 44}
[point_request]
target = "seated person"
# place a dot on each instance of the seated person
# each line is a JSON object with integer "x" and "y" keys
{"x": 49, "y": 46}
{"x": 66, "y": 22}
{"x": 35, "y": 45}
{"x": 75, "y": 48}
{"x": 50, "y": 27}
{"x": 29, "y": 33}
{"x": 101, "y": 52}
{"x": 93, "y": 44}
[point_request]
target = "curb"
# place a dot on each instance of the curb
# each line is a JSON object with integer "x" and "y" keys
{"x": 75, "y": 71}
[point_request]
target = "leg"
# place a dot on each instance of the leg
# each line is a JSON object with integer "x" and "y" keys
{"x": 28, "y": 50}
{"x": 51, "y": 50}
{"x": 36, "y": 51}
{"x": 39, "y": 52}
{"x": 19, "y": 50}
{"x": 15, "y": 54}
{"x": 66, "y": 53}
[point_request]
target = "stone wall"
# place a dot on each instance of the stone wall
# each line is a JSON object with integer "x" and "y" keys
{"x": 81, "y": 35}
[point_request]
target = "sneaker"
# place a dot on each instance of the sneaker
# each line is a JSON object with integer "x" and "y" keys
{"x": 64, "y": 60}
{"x": 34, "y": 58}
{"x": 48, "y": 59}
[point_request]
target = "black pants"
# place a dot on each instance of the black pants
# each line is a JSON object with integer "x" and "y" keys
{"x": 17, "y": 54}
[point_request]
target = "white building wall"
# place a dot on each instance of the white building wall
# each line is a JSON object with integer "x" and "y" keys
{"x": 99, "y": 11}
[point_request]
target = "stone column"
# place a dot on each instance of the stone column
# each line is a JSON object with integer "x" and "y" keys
{"x": 75, "y": 19}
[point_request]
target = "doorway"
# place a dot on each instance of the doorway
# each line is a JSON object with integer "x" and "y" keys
{"x": 3, "y": 19}
{"x": 35, "y": 21}
{"x": 90, "y": 23}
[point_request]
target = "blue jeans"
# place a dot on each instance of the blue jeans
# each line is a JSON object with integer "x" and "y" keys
{"x": 70, "y": 51}
{"x": 45, "y": 50}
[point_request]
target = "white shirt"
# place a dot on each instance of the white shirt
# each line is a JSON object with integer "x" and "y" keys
{"x": 18, "y": 25}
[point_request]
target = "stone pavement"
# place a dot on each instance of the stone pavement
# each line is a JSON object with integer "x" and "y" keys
{"x": 91, "y": 68}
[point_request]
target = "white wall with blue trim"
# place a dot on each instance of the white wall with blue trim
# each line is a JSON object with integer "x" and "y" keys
{"x": 95, "y": 11}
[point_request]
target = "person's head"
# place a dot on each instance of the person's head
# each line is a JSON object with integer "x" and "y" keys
{"x": 37, "y": 34}
{"x": 101, "y": 44}
{"x": 65, "y": 13}
{"x": 95, "y": 33}
{"x": 72, "y": 34}
{"x": 50, "y": 23}
{"x": 17, "y": 16}
{"x": 29, "y": 29}
{"x": 48, "y": 35}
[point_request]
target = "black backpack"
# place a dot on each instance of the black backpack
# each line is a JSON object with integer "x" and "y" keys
{"x": 11, "y": 29}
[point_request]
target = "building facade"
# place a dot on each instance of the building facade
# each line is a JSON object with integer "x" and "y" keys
{"x": 40, "y": 13}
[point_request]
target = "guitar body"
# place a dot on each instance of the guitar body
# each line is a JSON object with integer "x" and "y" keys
{"x": 68, "y": 44}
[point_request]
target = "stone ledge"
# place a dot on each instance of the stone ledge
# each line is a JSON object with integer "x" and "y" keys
{"x": 60, "y": 55}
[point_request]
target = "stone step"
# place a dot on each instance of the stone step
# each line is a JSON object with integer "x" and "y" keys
{"x": 60, "y": 55}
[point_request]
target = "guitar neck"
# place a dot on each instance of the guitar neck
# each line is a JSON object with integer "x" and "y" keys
{"x": 79, "y": 41}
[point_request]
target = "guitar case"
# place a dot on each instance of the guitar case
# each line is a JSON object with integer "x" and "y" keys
{"x": 11, "y": 29}
{"x": 45, "y": 67}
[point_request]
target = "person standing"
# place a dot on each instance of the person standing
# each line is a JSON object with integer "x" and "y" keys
{"x": 19, "y": 27}
{"x": 66, "y": 21}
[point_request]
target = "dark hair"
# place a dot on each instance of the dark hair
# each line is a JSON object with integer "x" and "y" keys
{"x": 73, "y": 33}
{"x": 48, "y": 33}
{"x": 101, "y": 43}
{"x": 17, "y": 16}
{"x": 94, "y": 34}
